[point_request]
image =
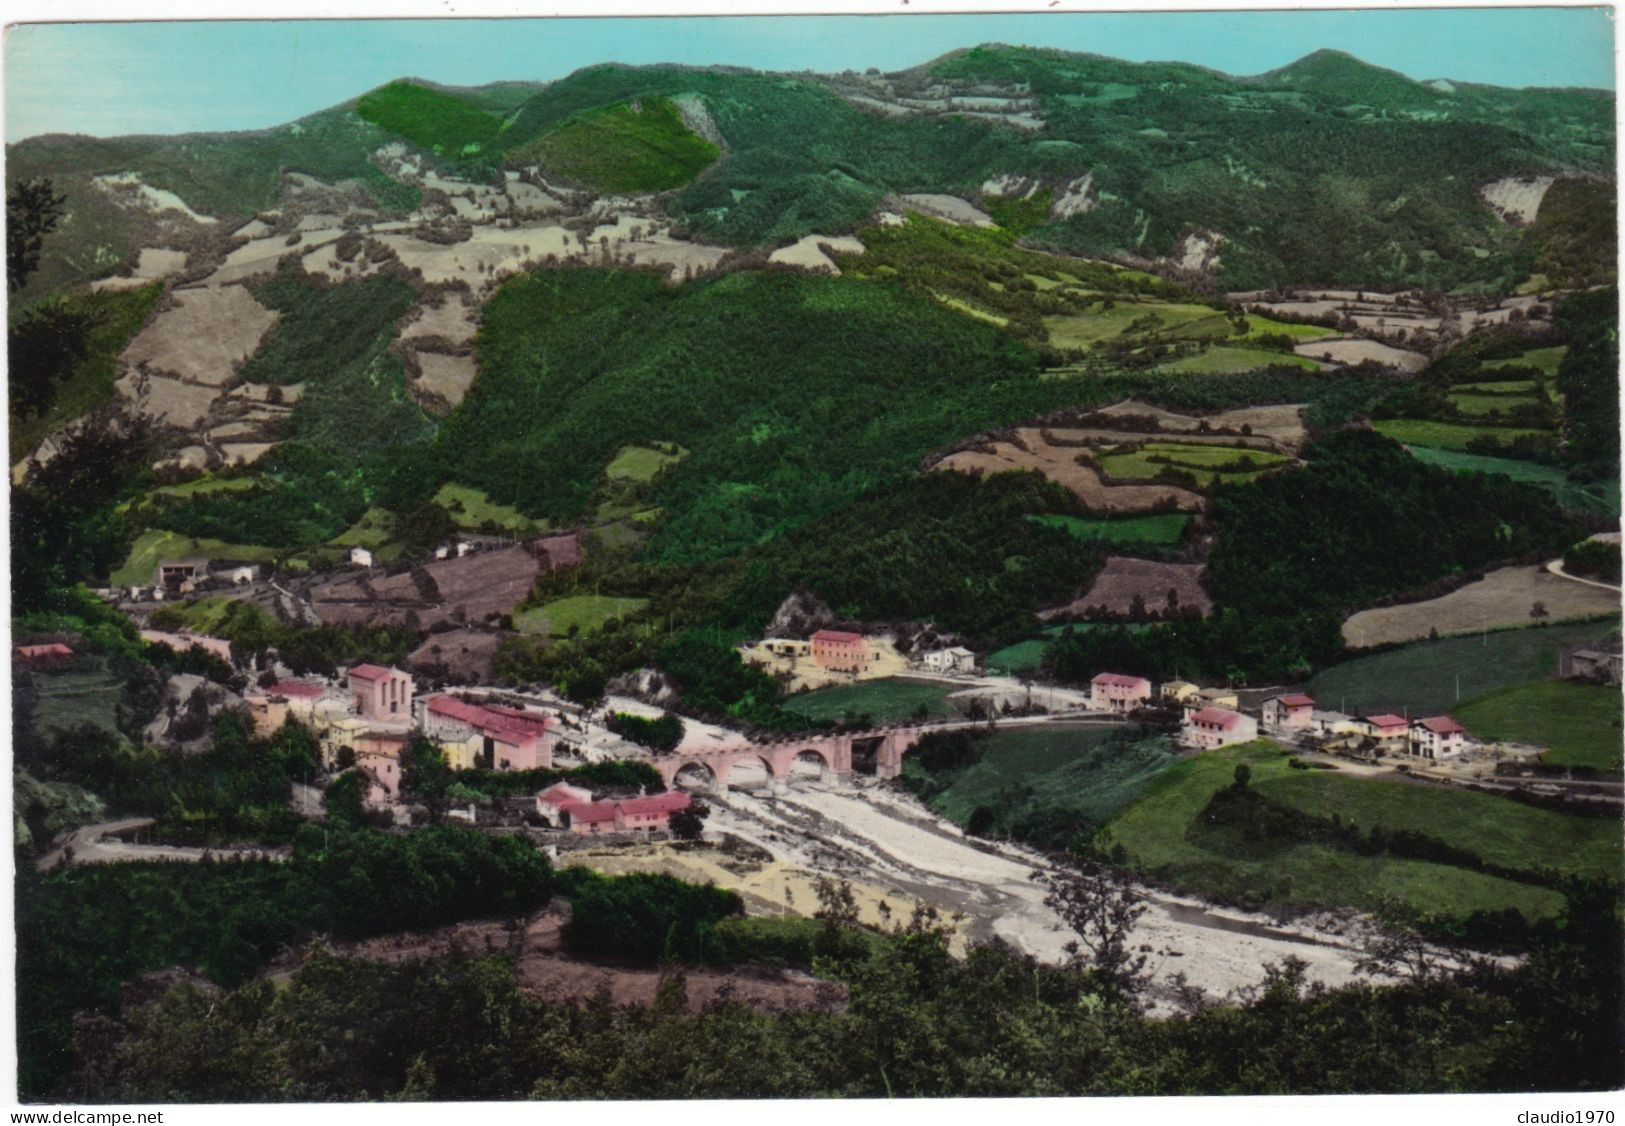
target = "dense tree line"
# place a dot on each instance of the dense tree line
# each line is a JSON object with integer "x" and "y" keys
{"x": 918, "y": 1022}
{"x": 1296, "y": 551}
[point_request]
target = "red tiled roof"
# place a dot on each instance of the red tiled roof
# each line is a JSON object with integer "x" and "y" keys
{"x": 658, "y": 803}
{"x": 1297, "y": 701}
{"x": 371, "y": 672}
{"x": 1222, "y": 718}
{"x": 1441, "y": 725}
{"x": 54, "y": 649}
{"x": 561, "y": 792}
{"x": 303, "y": 689}
{"x": 508, "y": 724}
{"x": 1119, "y": 680}
{"x": 838, "y": 637}
{"x": 1385, "y": 720}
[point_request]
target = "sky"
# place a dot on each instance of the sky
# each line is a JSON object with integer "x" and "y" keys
{"x": 118, "y": 78}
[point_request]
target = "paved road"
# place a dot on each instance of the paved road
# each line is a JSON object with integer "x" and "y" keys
{"x": 98, "y": 844}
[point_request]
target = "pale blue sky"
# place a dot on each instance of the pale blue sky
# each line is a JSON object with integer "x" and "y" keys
{"x": 110, "y": 79}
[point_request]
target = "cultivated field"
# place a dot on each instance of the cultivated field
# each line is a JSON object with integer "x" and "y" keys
{"x": 1579, "y": 723}
{"x": 1060, "y": 464}
{"x": 476, "y": 588}
{"x": 1224, "y": 359}
{"x": 1163, "y": 835}
{"x": 1447, "y": 435}
{"x": 1502, "y": 598}
{"x": 1208, "y": 464}
{"x": 1160, "y": 587}
{"x": 203, "y": 335}
{"x": 1423, "y": 678}
{"x": 581, "y": 613}
{"x": 1358, "y": 350}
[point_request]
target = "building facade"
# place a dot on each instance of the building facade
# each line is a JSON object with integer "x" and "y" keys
{"x": 1115, "y": 692}
{"x": 840, "y": 651}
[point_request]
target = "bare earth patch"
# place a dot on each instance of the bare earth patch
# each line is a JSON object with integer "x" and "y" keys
{"x": 1501, "y": 598}
{"x": 1353, "y": 350}
{"x": 1060, "y": 464}
{"x": 466, "y": 655}
{"x": 809, "y": 253}
{"x": 445, "y": 377}
{"x": 1124, "y": 578}
{"x": 203, "y": 335}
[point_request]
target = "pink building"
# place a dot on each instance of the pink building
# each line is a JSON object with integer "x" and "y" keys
{"x": 840, "y": 651}
{"x": 1289, "y": 713}
{"x": 382, "y": 770}
{"x": 381, "y": 693}
{"x": 1114, "y": 692}
{"x": 1211, "y": 728}
{"x": 1388, "y": 730}
{"x": 506, "y": 738}
{"x": 1437, "y": 737}
{"x": 562, "y": 806}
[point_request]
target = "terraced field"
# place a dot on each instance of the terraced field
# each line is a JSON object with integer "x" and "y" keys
{"x": 1448, "y": 435}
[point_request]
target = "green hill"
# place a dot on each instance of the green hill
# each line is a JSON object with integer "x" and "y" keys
{"x": 638, "y": 146}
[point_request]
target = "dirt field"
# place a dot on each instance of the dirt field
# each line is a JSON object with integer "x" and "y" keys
{"x": 466, "y": 655}
{"x": 203, "y": 335}
{"x": 949, "y": 207}
{"x": 1124, "y": 577}
{"x": 474, "y": 588}
{"x": 1517, "y": 199}
{"x": 542, "y": 967}
{"x": 1501, "y": 598}
{"x": 809, "y": 252}
{"x": 1059, "y": 464}
{"x": 1353, "y": 350}
{"x": 445, "y": 377}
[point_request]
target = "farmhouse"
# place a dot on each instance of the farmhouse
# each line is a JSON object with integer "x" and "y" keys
{"x": 51, "y": 656}
{"x": 564, "y": 809}
{"x": 1437, "y": 737}
{"x": 1600, "y": 662}
{"x": 956, "y": 659}
{"x": 1289, "y": 714}
{"x": 1390, "y": 731}
{"x": 1114, "y": 692}
{"x": 1210, "y": 728}
{"x": 1217, "y": 698}
{"x": 840, "y": 651}
{"x": 360, "y": 557}
{"x": 1177, "y": 691}
{"x": 182, "y": 575}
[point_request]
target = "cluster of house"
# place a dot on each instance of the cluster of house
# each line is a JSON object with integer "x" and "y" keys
{"x": 1213, "y": 718}
{"x": 177, "y": 578}
{"x": 564, "y": 806}
{"x": 374, "y": 713}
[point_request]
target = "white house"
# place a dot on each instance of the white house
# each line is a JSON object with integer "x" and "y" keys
{"x": 360, "y": 557}
{"x": 246, "y": 573}
{"x": 1209, "y": 728}
{"x": 1437, "y": 737}
{"x": 955, "y": 659}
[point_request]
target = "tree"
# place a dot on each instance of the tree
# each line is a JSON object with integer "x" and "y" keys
{"x": 344, "y": 800}
{"x": 688, "y": 824}
{"x": 33, "y": 209}
{"x": 1102, "y": 906}
{"x": 1538, "y": 612}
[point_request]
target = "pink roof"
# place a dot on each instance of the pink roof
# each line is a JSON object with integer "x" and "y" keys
{"x": 1386, "y": 720}
{"x": 54, "y": 649}
{"x": 658, "y": 803}
{"x": 1442, "y": 725}
{"x": 371, "y": 672}
{"x": 511, "y": 725}
{"x": 1297, "y": 701}
{"x": 303, "y": 689}
{"x": 1222, "y": 718}
{"x": 591, "y": 811}
{"x": 1118, "y": 680}
{"x": 562, "y": 792}
{"x": 837, "y": 637}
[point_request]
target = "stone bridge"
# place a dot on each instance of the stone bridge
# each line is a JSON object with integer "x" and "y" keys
{"x": 832, "y": 755}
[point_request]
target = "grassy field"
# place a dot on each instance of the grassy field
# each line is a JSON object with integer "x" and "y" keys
{"x": 1223, "y": 359}
{"x": 117, "y": 317}
{"x": 642, "y": 464}
{"x": 155, "y": 544}
{"x": 472, "y": 509}
{"x": 1580, "y": 723}
{"x": 1162, "y": 833}
{"x": 1509, "y": 387}
{"x": 1154, "y": 319}
{"x": 1546, "y": 359}
{"x": 582, "y": 612}
{"x": 884, "y": 701}
{"x": 1447, "y": 435}
{"x": 1023, "y": 656}
{"x": 1162, "y": 529}
{"x": 1468, "y": 402}
{"x": 620, "y": 148}
{"x": 1071, "y": 778}
{"x": 68, "y": 699}
{"x": 1601, "y": 497}
{"x": 1422, "y": 677}
{"x": 1200, "y": 461}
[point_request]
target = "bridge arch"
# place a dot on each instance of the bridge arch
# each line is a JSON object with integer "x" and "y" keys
{"x": 809, "y": 762}
{"x": 750, "y": 770}
{"x": 695, "y": 775}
